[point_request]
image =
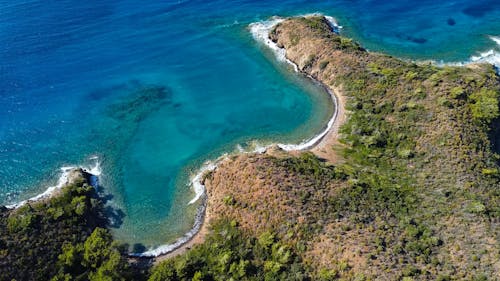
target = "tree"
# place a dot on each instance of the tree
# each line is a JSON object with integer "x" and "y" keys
{"x": 485, "y": 105}
{"x": 96, "y": 248}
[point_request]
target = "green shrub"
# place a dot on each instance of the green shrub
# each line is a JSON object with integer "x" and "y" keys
{"x": 457, "y": 92}
{"x": 323, "y": 64}
{"x": 476, "y": 207}
{"x": 230, "y": 254}
{"x": 484, "y": 105}
{"x": 229, "y": 200}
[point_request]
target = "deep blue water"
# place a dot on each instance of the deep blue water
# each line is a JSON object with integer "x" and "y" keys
{"x": 156, "y": 88}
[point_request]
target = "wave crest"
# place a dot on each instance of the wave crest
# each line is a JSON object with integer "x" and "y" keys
{"x": 491, "y": 56}
{"x": 94, "y": 171}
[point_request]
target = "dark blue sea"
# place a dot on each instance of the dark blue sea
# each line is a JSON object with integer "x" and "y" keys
{"x": 150, "y": 90}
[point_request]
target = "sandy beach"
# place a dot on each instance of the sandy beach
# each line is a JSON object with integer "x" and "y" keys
{"x": 325, "y": 148}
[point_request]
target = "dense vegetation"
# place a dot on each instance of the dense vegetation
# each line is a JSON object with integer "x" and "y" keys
{"x": 230, "y": 254}
{"x": 61, "y": 238}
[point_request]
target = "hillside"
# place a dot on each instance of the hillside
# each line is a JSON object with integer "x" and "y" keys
{"x": 416, "y": 195}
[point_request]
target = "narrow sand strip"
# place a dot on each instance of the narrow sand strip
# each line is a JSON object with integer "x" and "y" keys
{"x": 325, "y": 147}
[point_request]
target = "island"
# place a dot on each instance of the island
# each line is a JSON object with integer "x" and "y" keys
{"x": 404, "y": 186}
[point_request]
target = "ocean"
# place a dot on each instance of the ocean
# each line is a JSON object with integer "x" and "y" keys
{"x": 151, "y": 90}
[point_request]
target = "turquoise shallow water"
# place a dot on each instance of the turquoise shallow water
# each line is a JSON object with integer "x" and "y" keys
{"x": 154, "y": 89}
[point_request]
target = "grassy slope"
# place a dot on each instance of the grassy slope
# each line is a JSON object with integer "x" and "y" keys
{"x": 420, "y": 134}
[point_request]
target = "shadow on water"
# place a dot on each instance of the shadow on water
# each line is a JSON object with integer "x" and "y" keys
{"x": 138, "y": 248}
{"x": 115, "y": 216}
{"x": 479, "y": 10}
{"x": 494, "y": 136}
{"x": 128, "y": 105}
{"x": 137, "y": 262}
{"x": 112, "y": 216}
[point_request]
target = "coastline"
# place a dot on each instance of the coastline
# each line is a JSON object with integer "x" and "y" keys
{"x": 320, "y": 144}
{"x": 324, "y": 148}
{"x": 399, "y": 180}
{"x": 64, "y": 179}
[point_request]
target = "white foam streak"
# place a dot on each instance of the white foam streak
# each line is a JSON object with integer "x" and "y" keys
{"x": 491, "y": 56}
{"x": 61, "y": 182}
{"x": 96, "y": 169}
{"x": 496, "y": 39}
{"x": 333, "y": 23}
{"x": 165, "y": 249}
{"x": 260, "y": 32}
{"x": 196, "y": 182}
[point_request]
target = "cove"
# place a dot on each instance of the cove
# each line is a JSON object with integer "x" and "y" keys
{"x": 155, "y": 89}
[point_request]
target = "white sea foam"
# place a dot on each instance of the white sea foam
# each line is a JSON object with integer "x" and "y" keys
{"x": 260, "y": 31}
{"x": 491, "y": 56}
{"x": 260, "y": 149}
{"x": 496, "y": 39}
{"x": 313, "y": 141}
{"x": 196, "y": 182}
{"x": 333, "y": 24}
{"x": 239, "y": 148}
{"x": 95, "y": 171}
{"x": 165, "y": 249}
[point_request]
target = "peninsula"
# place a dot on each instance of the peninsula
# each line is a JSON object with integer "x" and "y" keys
{"x": 408, "y": 190}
